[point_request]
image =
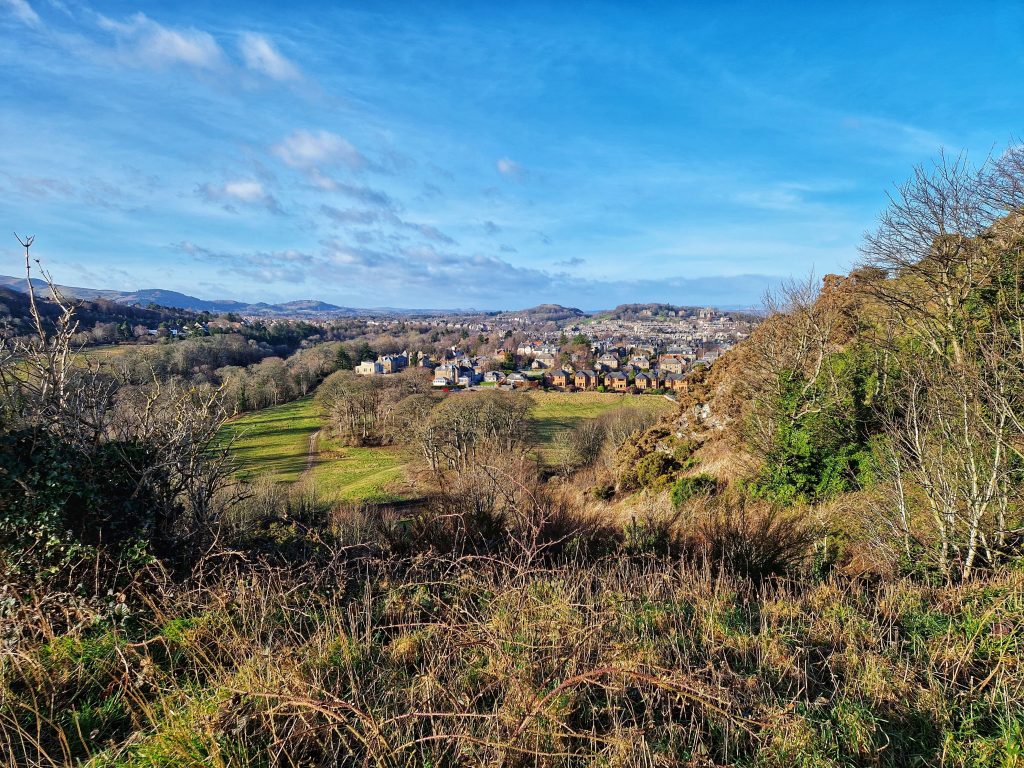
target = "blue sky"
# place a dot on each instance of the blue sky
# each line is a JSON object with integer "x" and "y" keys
{"x": 481, "y": 155}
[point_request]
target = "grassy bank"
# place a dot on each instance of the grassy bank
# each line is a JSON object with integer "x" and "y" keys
{"x": 276, "y": 442}
{"x": 448, "y": 662}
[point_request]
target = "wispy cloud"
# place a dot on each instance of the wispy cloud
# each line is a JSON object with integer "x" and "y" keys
{"x": 249, "y": 192}
{"x": 383, "y": 217}
{"x": 260, "y": 55}
{"x": 316, "y": 150}
{"x": 892, "y": 134}
{"x": 143, "y": 42}
{"x": 22, "y": 11}
{"x": 509, "y": 168}
{"x": 288, "y": 266}
{"x": 442, "y": 277}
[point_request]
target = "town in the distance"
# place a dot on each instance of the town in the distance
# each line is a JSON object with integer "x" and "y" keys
{"x": 634, "y": 348}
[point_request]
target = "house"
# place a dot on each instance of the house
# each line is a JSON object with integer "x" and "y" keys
{"x": 616, "y": 381}
{"x": 494, "y": 377}
{"x": 641, "y": 362}
{"x": 448, "y": 371}
{"x": 543, "y": 360}
{"x": 369, "y": 368}
{"x": 516, "y": 379}
{"x": 393, "y": 363}
{"x": 442, "y": 381}
{"x": 560, "y": 378}
{"x": 676, "y": 382}
{"x": 645, "y": 381}
{"x": 671, "y": 364}
{"x": 585, "y": 379}
{"x": 610, "y": 362}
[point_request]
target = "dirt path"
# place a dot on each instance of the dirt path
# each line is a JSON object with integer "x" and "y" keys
{"x": 310, "y": 455}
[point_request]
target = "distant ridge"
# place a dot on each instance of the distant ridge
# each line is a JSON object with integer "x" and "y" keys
{"x": 164, "y": 298}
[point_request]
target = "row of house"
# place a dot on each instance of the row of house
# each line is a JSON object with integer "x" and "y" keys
{"x": 616, "y": 381}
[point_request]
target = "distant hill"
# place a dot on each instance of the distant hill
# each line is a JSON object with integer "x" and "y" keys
{"x": 549, "y": 312}
{"x": 15, "y": 315}
{"x": 635, "y": 311}
{"x": 164, "y": 298}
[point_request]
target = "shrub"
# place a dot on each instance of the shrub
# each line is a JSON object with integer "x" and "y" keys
{"x": 686, "y": 488}
{"x": 59, "y": 501}
{"x": 752, "y": 542}
{"x": 655, "y": 470}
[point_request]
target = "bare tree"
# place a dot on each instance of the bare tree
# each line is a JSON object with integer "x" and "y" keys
{"x": 946, "y": 266}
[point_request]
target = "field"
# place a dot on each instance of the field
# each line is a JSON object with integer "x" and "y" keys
{"x": 285, "y": 444}
{"x": 108, "y": 351}
{"x": 274, "y": 442}
{"x": 341, "y": 473}
{"x": 556, "y": 412}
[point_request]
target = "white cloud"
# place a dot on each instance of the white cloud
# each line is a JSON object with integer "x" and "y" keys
{"x": 247, "y": 191}
{"x": 260, "y": 55}
{"x": 144, "y": 42}
{"x": 507, "y": 167}
{"x": 310, "y": 149}
{"x": 22, "y": 11}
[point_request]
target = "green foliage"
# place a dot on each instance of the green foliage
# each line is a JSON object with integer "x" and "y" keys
{"x": 364, "y": 353}
{"x": 686, "y": 488}
{"x": 343, "y": 360}
{"x": 822, "y": 443}
{"x": 59, "y": 502}
{"x": 655, "y": 470}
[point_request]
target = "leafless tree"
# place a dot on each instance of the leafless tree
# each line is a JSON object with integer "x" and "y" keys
{"x": 946, "y": 266}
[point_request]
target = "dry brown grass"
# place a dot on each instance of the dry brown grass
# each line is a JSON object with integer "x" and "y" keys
{"x": 503, "y": 660}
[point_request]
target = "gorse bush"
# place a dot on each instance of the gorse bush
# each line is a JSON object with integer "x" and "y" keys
{"x": 692, "y": 486}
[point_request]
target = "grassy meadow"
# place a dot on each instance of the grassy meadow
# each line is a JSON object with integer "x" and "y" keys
{"x": 275, "y": 443}
{"x": 341, "y": 473}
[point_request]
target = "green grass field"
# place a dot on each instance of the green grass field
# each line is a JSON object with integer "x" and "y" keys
{"x": 275, "y": 443}
{"x": 556, "y": 412}
{"x": 342, "y": 473}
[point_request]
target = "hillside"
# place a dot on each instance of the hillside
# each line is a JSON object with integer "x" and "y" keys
{"x": 176, "y": 300}
{"x": 812, "y": 559}
{"x": 547, "y": 313}
{"x": 14, "y": 311}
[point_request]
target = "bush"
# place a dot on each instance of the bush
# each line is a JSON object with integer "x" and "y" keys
{"x": 655, "y": 470}
{"x": 752, "y": 542}
{"x": 686, "y": 488}
{"x": 59, "y": 502}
